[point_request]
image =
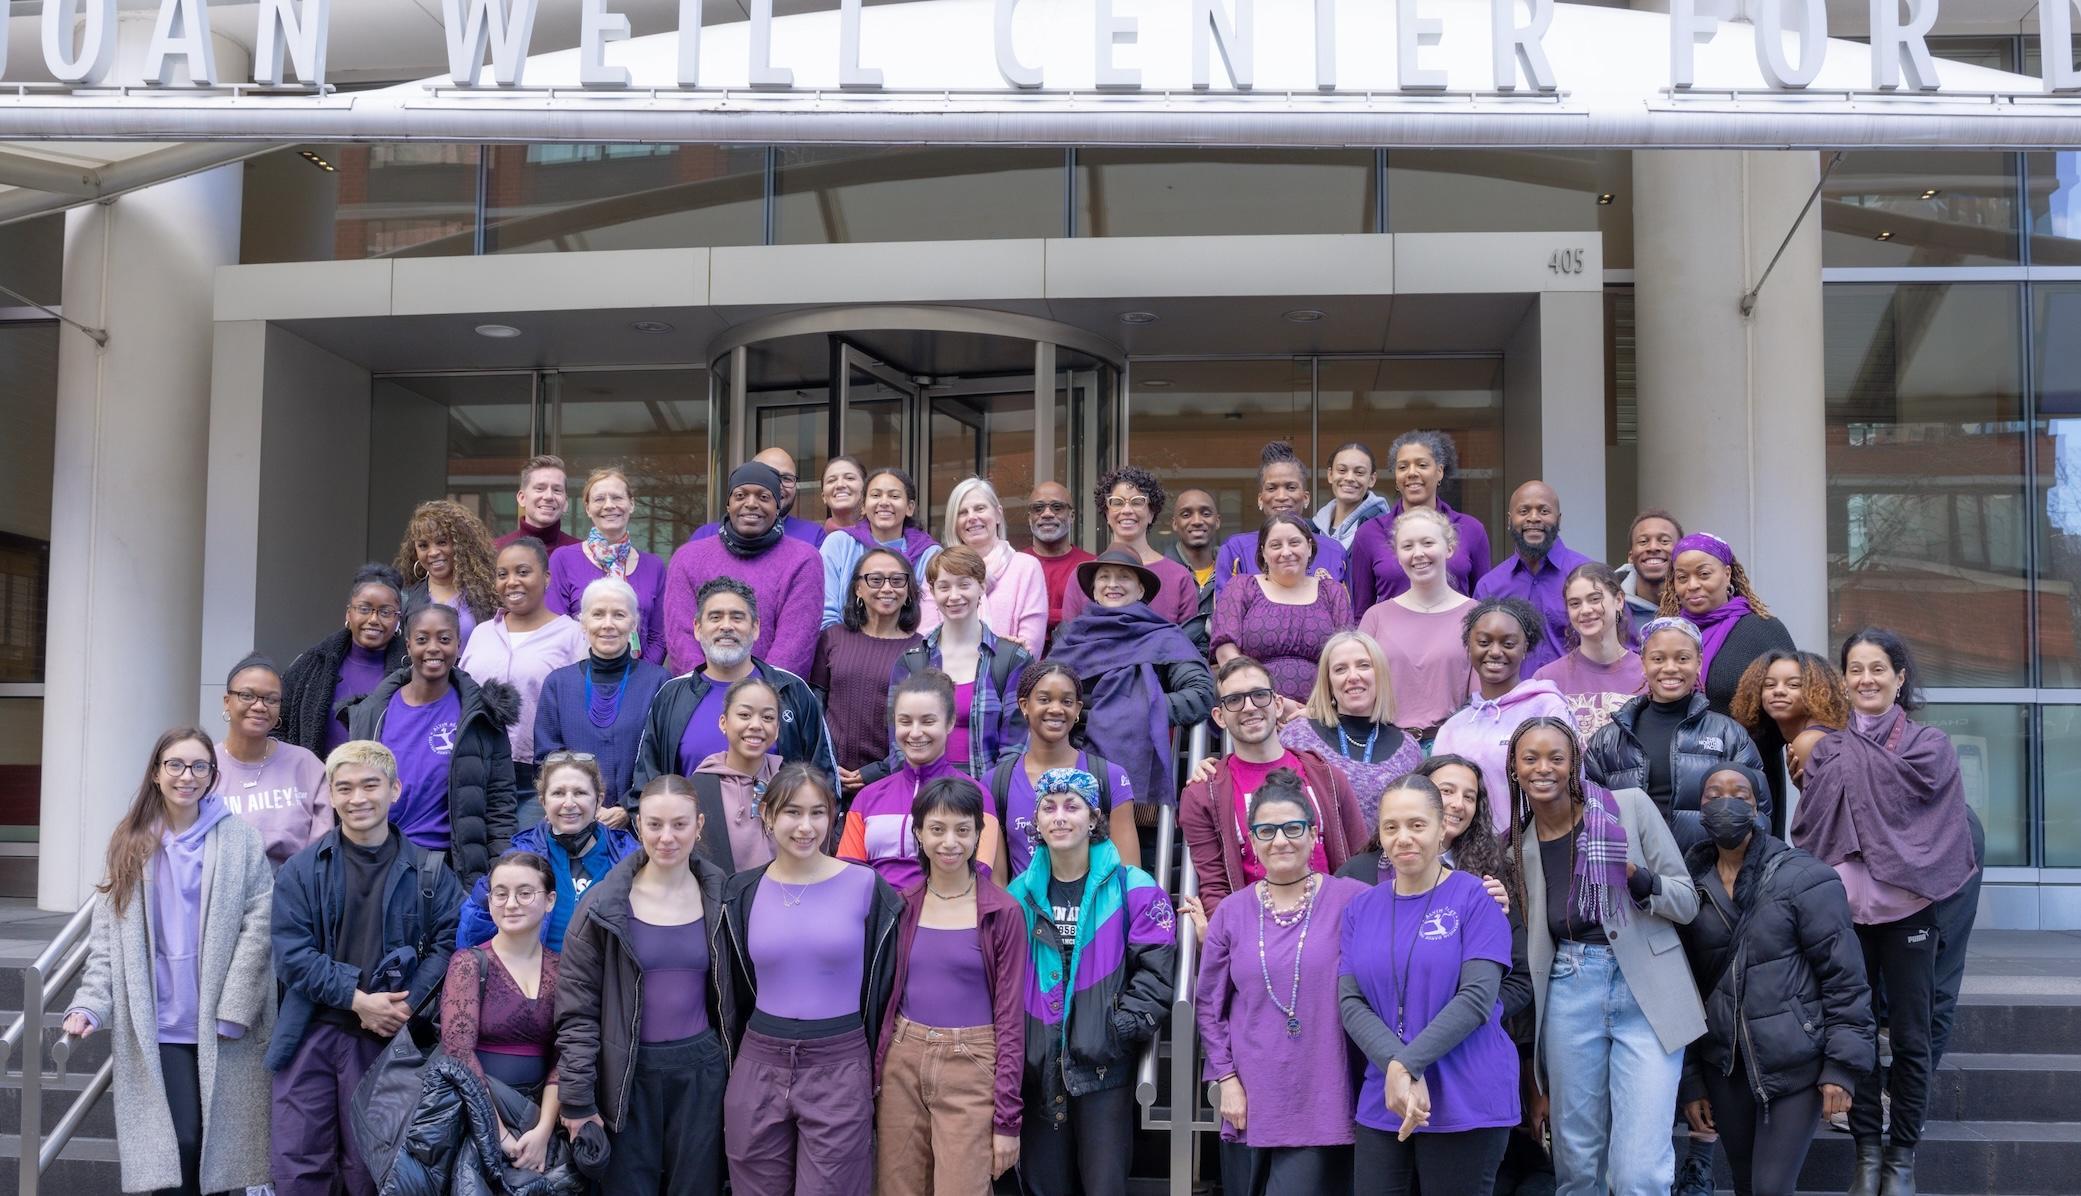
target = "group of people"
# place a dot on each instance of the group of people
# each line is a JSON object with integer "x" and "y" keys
{"x": 811, "y": 860}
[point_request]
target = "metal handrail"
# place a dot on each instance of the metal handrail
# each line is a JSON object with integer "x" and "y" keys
{"x": 60, "y": 961}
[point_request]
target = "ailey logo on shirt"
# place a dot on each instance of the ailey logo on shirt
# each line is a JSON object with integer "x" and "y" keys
{"x": 1439, "y": 925}
{"x": 441, "y": 739}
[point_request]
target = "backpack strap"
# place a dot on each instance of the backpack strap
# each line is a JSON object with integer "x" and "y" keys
{"x": 430, "y": 865}
{"x": 1001, "y": 783}
{"x": 1100, "y": 766}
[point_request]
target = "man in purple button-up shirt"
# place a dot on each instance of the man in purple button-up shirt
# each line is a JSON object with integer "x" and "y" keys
{"x": 1538, "y": 571}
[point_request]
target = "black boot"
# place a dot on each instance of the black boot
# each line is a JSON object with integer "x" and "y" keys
{"x": 1897, "y": 1171}
{"x": 1865, "y": 1180}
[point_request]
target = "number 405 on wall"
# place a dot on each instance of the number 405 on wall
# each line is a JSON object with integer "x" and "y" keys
{"x": 1565, "y": 261}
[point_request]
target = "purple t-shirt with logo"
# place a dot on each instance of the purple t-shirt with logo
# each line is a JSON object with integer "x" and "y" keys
{"x": 704, "y": 732}
{"x": 1022, "y": 829}
{"x": 1421, "y": 941}
{"x": 422, "y": 738}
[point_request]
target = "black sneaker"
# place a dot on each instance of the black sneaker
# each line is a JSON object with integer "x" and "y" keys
{"x": 1693, "y": 1176}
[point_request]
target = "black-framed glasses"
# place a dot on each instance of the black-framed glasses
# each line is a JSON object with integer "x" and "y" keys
{"x": 1259, "y": 698}
{"x": 885, "y": 581}
{"x": 1265, "y": 832}
{"x": 1047, "y": 507}
{"x": 364, "y": 610}
{"x": 193, "y": 768}
{"x": 253, "y": 697}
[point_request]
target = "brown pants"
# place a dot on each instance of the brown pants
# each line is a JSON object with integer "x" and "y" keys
{"x": 932, "y": 1126}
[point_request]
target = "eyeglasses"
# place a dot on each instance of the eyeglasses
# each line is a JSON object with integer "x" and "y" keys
{"x": 788, "y": 479}
{"x": 885, "y": 581}
{"x": 1259, "y": 698}
{"x": 364, "y": 610}
{"x": 1138, "y": 502}
{"x": 514, "y": 896}
{"x": 255, "y": 698}
{"x": 561, "y": 757}
{"x": 192, "y": 768}
{"x": 1265, "y": 832}
{"x": 1050, "y": 507}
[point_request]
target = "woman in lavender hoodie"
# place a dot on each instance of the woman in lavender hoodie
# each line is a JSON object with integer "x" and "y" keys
{"x": 179, "y": 974}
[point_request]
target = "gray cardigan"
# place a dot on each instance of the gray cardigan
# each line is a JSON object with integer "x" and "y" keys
{"x": 238, "y": 986}
{"x": 1650, "y": 955}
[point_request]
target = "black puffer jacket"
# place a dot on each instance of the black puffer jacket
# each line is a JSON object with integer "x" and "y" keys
{"x": 1791, "y": 989}
{"x": 308, "y": 685}
{"x": 436, "y": 1133}
{"x": 480, "y": 767}
{"x": 1704, "y": 740}
{"x": 599, "y": 1016}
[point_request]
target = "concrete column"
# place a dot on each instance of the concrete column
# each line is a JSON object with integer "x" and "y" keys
{"x": 127, "y": 507}
{"x": 1553, "y": 413}
{"x": 1731, "y": 406}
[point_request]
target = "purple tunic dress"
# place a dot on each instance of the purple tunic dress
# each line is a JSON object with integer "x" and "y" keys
{"x": 1286, "y": 638}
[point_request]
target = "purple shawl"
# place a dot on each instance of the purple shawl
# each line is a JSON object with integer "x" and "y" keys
{"x": 1893, "y": 797}
{"x": 1115, "y": 651}
{"x": 1714, "y": 626}
{"x": 916, "y": 543}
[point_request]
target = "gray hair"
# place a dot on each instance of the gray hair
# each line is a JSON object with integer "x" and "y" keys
{"x": 614, "y": 587}
{"x": 959, "y": 495}
{"x": 1438, "y": 444}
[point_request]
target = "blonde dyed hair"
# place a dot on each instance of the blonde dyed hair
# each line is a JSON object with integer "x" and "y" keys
{"x": 1446, "y": 530}
{"x": 365, "y": 752}
{"x": 1322, "y": 702}
{"x": 960, "y": 495}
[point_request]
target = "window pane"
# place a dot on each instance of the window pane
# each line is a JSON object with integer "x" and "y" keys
{"x": 1926, "y": 526}
{"x": 990, "y": 436}
{"x": 1374, "y": 400}
{"x": 552, "y": 198}
{"x": 21, "y": 789}
{"x": 33, "y": 251}
{"x": 654, "y": 425}
{"x": 1920, "y": 208}
{"x": 29, "y": 388}
{"x": 464, "y": 437}
{"x": 830, "y": 194}
{"x": 390, "y": 199}
{"x": 2062, "y": 747}
{"x": 1174, "y": 433}
{"x": 1993, "y": 745}
{"x": 1479, "y": 191}
{"x": 1205, "y": 192}
{"x": 2056, "y": 452}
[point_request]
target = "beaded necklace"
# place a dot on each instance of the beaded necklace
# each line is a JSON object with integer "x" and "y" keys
{"x": 1304, "y": 914}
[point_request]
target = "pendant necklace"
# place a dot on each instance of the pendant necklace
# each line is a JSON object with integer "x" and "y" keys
{"x": 1292, "y": 1005}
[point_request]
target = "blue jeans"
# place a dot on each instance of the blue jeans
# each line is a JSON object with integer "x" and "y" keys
{"x": 1612, "y": 1086}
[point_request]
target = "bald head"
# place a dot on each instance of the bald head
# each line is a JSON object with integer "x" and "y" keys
{"x": 1050, "y": 516}
{"x": 1195, "y": 520}
{"x": 784, "y": 465}
{"x": 1535, "y": 520}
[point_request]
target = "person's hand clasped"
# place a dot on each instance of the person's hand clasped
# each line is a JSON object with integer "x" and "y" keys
{"x": 531, "y": 1150}
{"x": 1235, "y": 1106}
{"x": 1408, "y": 1098}
{"x": 382, "y": 1014}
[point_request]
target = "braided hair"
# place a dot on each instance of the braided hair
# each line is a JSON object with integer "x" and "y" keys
{"x": 1738, "y": 583}
{"x": 1521, "y": 806}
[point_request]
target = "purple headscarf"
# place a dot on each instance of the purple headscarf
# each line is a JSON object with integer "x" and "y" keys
{"x": 1714, "y": 625}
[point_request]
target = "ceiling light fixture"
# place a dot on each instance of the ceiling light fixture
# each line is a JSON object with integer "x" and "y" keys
{"x": 312, "y": 157}
{"x": 1932, "y": 193}
{"x": 1154, "y": 383}
{"x": 1302, "y": 315}
{"x": 1605, "y": 200}
{"x": 1137, "y": 317}
{"x": 498, "y": 332}
{"x": 1884, "y": 236}
{"x": 653, "y": 327}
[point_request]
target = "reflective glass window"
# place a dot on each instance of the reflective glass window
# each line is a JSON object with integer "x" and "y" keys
{"x": 831, "y": 194}
{"x": 1514, "y": 190}
{"x": 552, "y": 198}
{"x": 1928, "y": 531}
{"x": 2061, "y": 744}
{"x": 462, "y": 436}
{"x": 2056, "y": 456}
{"x": 1993, "y": 743}
{"x": 33, "y": 252}
{"x": 318, "y": 203}
{"x": 1921, "y": 208}
{"x": 1217, "y": 192}
{"x": 1202, "y": 424}
{"x": 21, "y": 791}
{"x": 1374, "y": 400}
{"x": 653, "y": 425}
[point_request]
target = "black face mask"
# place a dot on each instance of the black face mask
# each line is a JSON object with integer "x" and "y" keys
{"x": 574, "y": 845}
{"x": 1729, "y": 820}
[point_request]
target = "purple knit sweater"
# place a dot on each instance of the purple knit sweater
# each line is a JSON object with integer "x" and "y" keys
{"x": 789, "y": 581}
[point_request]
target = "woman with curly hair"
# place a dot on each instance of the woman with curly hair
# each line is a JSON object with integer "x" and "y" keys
{"x": 1708, "y": 586}
{"x": 1796, "y": 696}
{"x": 1419, "y": 465}
{"x": 1129, "y": 500}
{"x": 446, "y": 557}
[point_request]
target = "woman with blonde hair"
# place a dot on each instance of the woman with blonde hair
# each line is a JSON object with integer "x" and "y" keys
{"x": 446, "y": 557}
{"x": 1418, "y": 627}
{"x": 1015, "y": 591}
{"x": 609, "y": 552}
{"x": 1350, "y": 719}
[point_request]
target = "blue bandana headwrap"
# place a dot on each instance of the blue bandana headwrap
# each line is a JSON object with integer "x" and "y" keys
{"x": 1070, "y": 780}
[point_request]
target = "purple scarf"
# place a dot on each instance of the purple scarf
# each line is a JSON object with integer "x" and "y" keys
{"x": 1598, "y": 889}
{"x": 1892, "y": 796}
{"x": 1714, "y": 626}
{"x": 1115, "y": 651}
{"x": 916, "y": 543}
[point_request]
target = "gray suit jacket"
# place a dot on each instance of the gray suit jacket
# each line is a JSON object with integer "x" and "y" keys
{"x": 1650, "y": 956}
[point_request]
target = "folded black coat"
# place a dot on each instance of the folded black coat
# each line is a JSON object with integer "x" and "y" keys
{"x": 440, "y": 1137}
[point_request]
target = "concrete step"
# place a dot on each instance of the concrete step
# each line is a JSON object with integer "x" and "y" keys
{"x": 2019, "y": 1087}
{"x": 2014, "y": 1158}
{"x": 87, "y": 1168}
{"x": 2016, "y": 1025}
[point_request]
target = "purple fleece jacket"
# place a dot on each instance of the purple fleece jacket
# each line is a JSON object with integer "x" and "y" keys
{"x": 788, "y": 579}
{"x": 176, "y": 919}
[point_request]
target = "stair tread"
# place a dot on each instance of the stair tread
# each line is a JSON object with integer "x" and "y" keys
{"x": 1993, "y": 1061}
{"x": 1984, "y": 1131}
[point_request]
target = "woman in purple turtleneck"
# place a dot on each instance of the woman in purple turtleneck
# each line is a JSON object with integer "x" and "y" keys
{"x": 344, "y": 665}
{"x": 195, "y": 956}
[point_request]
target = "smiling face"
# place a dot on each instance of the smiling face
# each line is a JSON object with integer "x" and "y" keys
{"x": 1418, "y": 474}
{"x": 753, "y": 509}
{"x": 751, "y": 722}
{"x": 569, "y": 801}
{"x": 1238, "y": 711}
{"x": 1592, "y": 610}
{"x": 948, "y": 839}
{"x": 1127, "y": 512}
{"x": 1459, "y": 788}
{"x": 253, "y": 702}
{"x": 372, "y": 616}
{"x": 1049, "y": 513}
{"x": 1412, "y": 834}
{"x": 884, "y": 582}
{"x": 1784, "y": 691}
{"x": 608, "y": 505}
{"x": 801, "y": 824}
{"x": 843, "y": 487}
{"x": 726, "y": 630}
{"x": 1542, "y": 761}
{"x": 608, "y": 620}
{"x": 1497, "y": 646}
{"x": 520, "y": 580}
{"x": 1065, "y": 820}
{"x": 436, "y": 557}
{"x": 1282, "y": 489}
{"x": 669, "y": 827}
{"x": 1874, "y": 683}
{"x": 542, "y": 498}
{"x": 519, "y": 899}
{"x": 1195, "y": 520}
{"x": 978, "y": 522}
{"x": 185, "y": 772}
{"x": 1051, "y": 708}
{"x": 1670, "y": 660}
{"x": 1352, "y": 678}
{"x": 888, "y": 505}
{"x": 920, "y": 724}
{"x": 1649, "y": 551}
{"x": 1287, "y": 553}
{"x": 433, "y": 641}
{"x": 1702, "y": 582}
{"x": 959, "y": 597}
{"x": 1535, "y": 517}
{"x": 1284, "y": 860}
{"x": 1422, "y": 551}
{"x": 1116, "y": 585}
{"x": 1351, "y": 476}
{"x": 361, "y": 797}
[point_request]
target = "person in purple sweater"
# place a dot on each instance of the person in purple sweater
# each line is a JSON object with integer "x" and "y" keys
{"x": 277, "y": 787}
{"x": 785, "y": 573}
{"x": 1538, "y": 571}
{"x": 808, "y": 531}
{"x": 1421, "y": 462}
{"x": 607, "y": 551}
{"x": 1276, "y": 1046}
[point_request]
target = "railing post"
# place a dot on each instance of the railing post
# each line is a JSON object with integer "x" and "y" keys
{"x": 30, "y": 1137}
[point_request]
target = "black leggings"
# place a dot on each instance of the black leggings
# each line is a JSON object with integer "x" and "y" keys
{"x": 1284, "y": 1170}
{"x": 183, "y": 1077}
{"x": 1765, "y": 1149}
{"x": 1456, "y": 1164}
{"x": 1902, "y": 955}
{"x": 1088, "y": 1154}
